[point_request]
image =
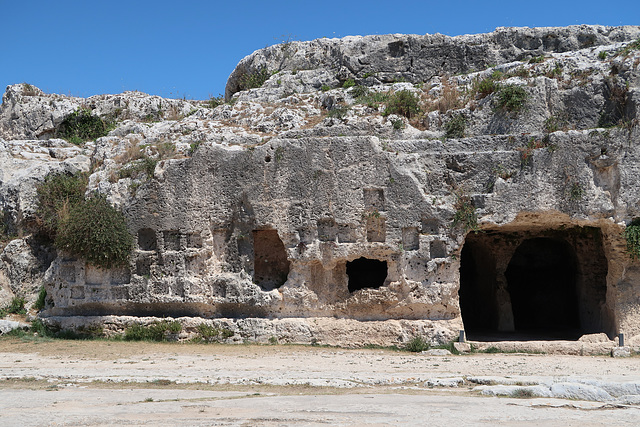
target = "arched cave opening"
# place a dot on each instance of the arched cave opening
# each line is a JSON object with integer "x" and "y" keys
{"x": 534, "y": 284}
{"x": 270, "y": 262}
{"x": 366, "y": 273}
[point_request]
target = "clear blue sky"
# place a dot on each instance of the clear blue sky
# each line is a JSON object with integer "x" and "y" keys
{"x": 189, "y": 48}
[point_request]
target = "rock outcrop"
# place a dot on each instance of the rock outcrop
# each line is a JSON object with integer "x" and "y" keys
{"x": 310, "y": 205}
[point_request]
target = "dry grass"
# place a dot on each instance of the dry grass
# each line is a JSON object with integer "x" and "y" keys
{"x": 133, "y": 152}
{"x": 450, "y": 98}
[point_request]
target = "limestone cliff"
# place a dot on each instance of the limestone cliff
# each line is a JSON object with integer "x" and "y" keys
{"x": 321, "y": 206}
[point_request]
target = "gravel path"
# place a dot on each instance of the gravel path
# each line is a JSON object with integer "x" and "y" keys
{"x": 121, "y": 383}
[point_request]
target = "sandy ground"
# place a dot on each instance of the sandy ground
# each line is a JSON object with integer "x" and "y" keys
{"x": 61, "y": 382}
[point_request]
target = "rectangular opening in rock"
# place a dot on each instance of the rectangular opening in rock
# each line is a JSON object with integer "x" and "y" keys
{"x": 366, "y": 273}
{"x": 373, "y": 199}
{"x": 271, "y": 265}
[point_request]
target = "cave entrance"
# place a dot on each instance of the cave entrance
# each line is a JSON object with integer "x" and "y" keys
{"x": 366, "y": 273}
{"x": 541, "y": 282}
{"x": 534, "y": 285}
{"x": 270, "y": 262}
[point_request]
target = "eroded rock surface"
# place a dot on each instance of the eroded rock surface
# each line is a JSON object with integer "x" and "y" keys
{"x": 308, "y": 202}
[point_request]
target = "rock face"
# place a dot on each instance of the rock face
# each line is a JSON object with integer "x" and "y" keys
{"x": 308, "y": 205}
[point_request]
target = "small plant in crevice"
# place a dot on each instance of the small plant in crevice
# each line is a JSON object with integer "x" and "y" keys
{"x": 526, "y": 153}
{"x": 536, "y": 59}
{"x": 502, "y": 172}
{"x": 254, "y": 79}
{"x": 417, "y": 344}
{"x": 146, "y": 165}
{"x": 16, "y": 306}
{"x": 511, "y": 98}
{"x": 325, "y": 88}
{"x": 338, "y": 112}
{"x": 397, "y": 124}
{"x": 602, "y": 55}
{"x": 403, "y": 103}
{"x": 455, "y": 127}
{"x": 214, "y": 101}
{"x": 348, "y": 83}
{"x": 359, "y": 91}
{"x": 614, "y": 112}
{"x": 193, "y": 147}
{"x": 576, "y": 192}
{"x": 632, "y": 236}
{"x": 555, "y": 72}
{"x": 522, "y": 393}
{"x": 555, "y": 123}
{"x": 42, "y": 298}
{"x": 635, "y": 45}
{"x": 465, "y": 215}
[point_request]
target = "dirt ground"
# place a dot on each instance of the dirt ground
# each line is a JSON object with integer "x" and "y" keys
{"x": 60, "y": 382}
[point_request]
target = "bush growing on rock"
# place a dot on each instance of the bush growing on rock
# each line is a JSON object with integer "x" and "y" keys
{"x": 455, "y": 127}
{"x": 254, "y": 79}
{"x": 632, "y": 235}
{"x": 55, "y": 196}
{"x": 511, "y": 98}
{"x": 404, "y": 103}
{"x": 96, "y": 231}
{"x": 81, "y": 126}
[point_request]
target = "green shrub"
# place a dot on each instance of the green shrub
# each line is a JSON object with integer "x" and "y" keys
{"x": 338, "y": 112}
{"x": 38, "y": 327}
{"x": 397, "y": 124}
{"x": 145, "y": 165}
{"x": 348, "y": 83}
{"x": 465, "y": 214}
{"x": 404, "y": 103}
{"x": 81, "y": 126}
{"x": 536, "y": 59}
{"x": 455, "y": 127}
{"x": 96, "y": 231}
{"x": 214, "y": 101}
{"x": 373, "y": 99}
{"x": 16, "y": 306}
{"x": 325, "y": 88}
{"x": 56, "y": 195}
{"x": 522, "y": 393}
{"x": 511, "y": 98}
{"x": 602, "y": 55}
{"x": 554, "y": 123}
{"x": 417, "y": 345}
{"x": 156, "y": 331}
{"x": 359, "y": 91}
{"x": 254, "y": 79}
{"x": 632, "y": 236}
{"x": 42, "y": 297}
{"x": 486, "y": 87}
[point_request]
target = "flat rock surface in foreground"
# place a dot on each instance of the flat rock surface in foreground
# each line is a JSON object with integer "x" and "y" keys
{"x": 128, "y": 383}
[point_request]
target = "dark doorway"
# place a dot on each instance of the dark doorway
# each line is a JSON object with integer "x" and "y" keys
{"x": 534, "y": 284}
{"x": 270, "y": 262}
{"x": 541, "y": 279}
{"x": 478, "y": 286}
{"x": 366, "y": 273}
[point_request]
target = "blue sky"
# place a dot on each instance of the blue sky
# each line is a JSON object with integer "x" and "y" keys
{"x": 188, "y": 48}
